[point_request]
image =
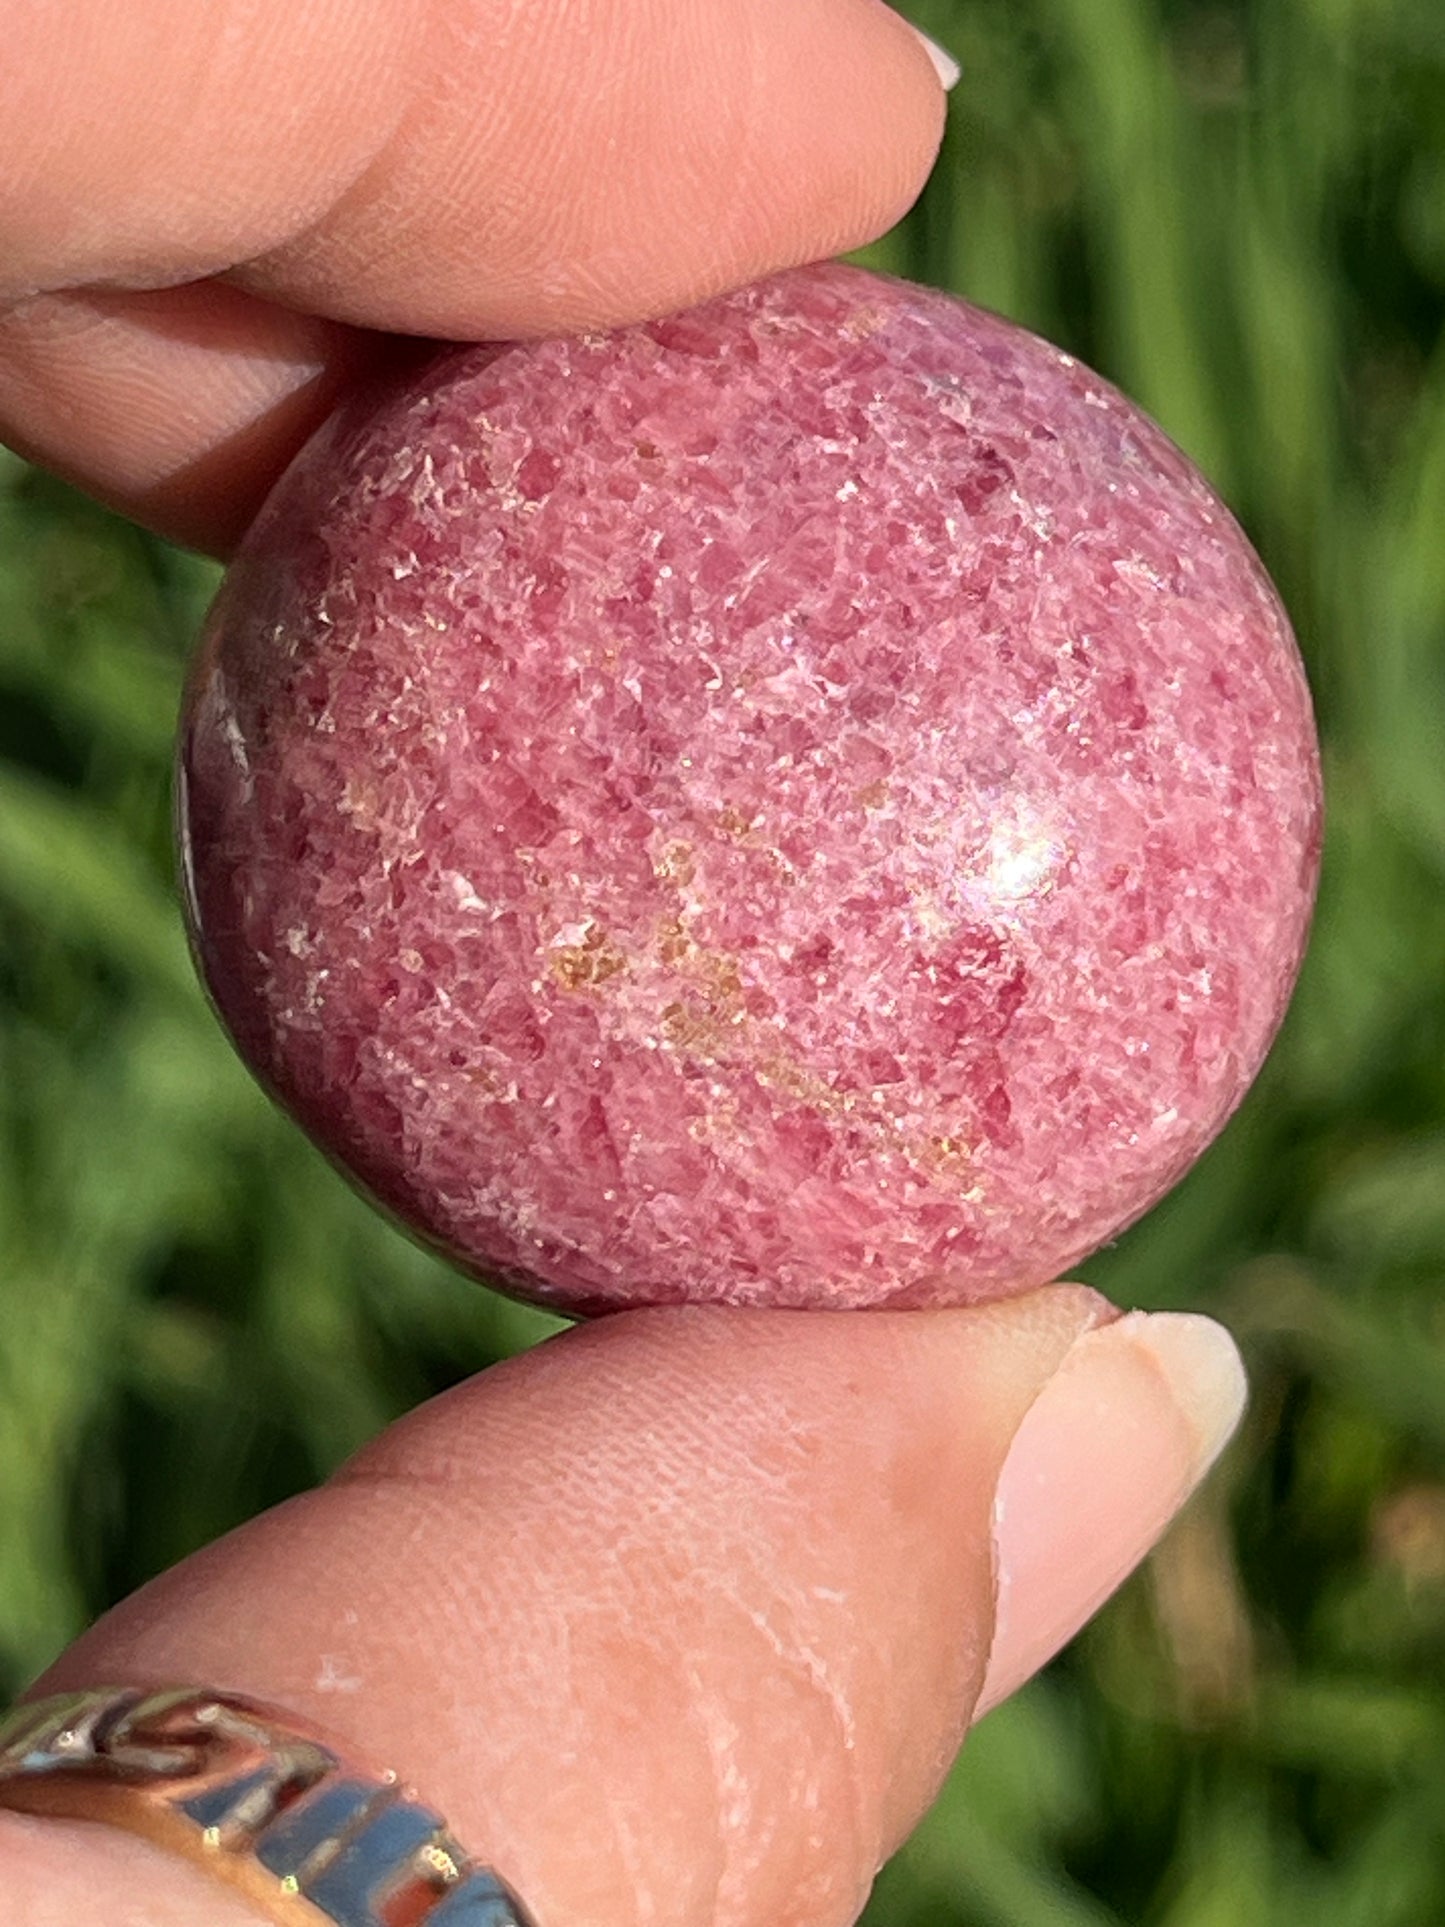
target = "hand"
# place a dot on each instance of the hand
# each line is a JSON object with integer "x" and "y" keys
{"x": 678, "y": 1618}
{"x": 207, "y": 212}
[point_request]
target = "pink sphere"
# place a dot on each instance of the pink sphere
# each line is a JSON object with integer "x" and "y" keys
{"x": 810, "y": 802}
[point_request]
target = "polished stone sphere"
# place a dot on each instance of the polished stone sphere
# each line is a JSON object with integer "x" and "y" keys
{"x": 812, "y": 802}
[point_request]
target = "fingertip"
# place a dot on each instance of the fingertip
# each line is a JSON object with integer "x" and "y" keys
{"x": 577, "y": 181}
{"x": 1106, "y": 1456}
{"x": 848, "y": 127}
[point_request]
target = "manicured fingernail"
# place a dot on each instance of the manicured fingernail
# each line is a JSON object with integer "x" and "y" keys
{"x": 1105, "y": 1457}
{"x": 946, "y": 67}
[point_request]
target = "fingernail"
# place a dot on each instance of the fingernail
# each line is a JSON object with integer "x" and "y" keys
{"x": 1105, "y": 1457}
{"x": 946, "y": 67}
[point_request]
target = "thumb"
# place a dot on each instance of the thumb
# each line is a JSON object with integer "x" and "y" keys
{"x": 679, "y": 1618}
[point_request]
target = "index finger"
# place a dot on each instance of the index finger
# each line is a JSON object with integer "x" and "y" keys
{"x": 200, "y": 207}
{"x": 472, "y": 168}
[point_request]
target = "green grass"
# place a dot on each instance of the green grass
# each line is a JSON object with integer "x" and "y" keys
{"x": 1237, "y": 211}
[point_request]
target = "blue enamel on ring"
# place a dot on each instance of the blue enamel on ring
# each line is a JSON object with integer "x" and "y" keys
{"x": 263, "y": 1803}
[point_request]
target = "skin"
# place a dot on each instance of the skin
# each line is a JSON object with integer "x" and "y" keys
{"x": 628, "y": 1610}
{"x": 184, "y": 293}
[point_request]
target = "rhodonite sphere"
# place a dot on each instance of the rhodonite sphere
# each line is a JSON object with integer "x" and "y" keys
{"x": 812, "y": 802}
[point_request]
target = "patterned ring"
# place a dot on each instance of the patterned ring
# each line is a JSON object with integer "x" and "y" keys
{"x": 239, "y": 1788}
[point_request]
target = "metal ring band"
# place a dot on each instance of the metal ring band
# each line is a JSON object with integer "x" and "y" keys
{"x": 242, "y": 1790}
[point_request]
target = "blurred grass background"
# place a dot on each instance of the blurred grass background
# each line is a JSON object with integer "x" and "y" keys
{"x": 1236, "y": 209}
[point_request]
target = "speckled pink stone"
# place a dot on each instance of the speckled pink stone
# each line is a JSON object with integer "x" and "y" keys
{"x": 812, "y": 802}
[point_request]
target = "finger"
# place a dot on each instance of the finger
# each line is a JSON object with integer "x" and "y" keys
{"x": 471, "y": 170}
{"x": 467, "y": 169}
{"x": 680, "y": 1618}
{"x": 178, "y": 408}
